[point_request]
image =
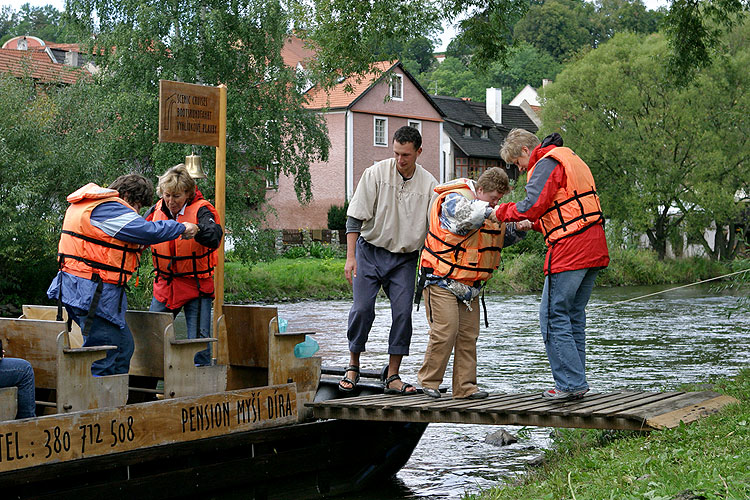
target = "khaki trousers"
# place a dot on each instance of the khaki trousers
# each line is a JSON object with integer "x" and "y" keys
{"x": 452, "y": 328}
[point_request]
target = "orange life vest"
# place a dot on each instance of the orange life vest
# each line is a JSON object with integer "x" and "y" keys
{"x": 180, "y": 257}
{"x": 85, "y": 250}
{"x": 576, "y": 207}
{"x": 469, "y": 258}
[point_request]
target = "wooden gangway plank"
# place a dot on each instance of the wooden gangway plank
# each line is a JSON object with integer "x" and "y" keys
{"x": 627, "y": 410}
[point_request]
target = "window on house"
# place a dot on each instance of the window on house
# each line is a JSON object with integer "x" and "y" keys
{"x": 416, "y": 124}
{"x": 380, "y": 131}
{"x": 467, "y": 131}
{"x": 272, "y": 176}
{"x": 485, "y": 133}
{"x": 397, "y": 87}
{"x": 478, "y": 166}
{"x": 462, "y": 167}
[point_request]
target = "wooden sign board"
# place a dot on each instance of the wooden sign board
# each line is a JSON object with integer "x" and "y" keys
{"x": 61, "y": 438}
{"x": 188, "y": 113}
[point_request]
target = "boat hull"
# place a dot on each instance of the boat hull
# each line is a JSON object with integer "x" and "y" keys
{"x": 300, "y": 461}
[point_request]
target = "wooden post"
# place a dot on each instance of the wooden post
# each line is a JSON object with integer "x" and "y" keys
{"x": 222, "y": 353}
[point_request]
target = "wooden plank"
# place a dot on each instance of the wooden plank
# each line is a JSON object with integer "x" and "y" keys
{"x": 607, "y": 399}
{"x": 690, "y": 413}
{"x": 35, "y": 341}
{"x": 665, "y": 405}
{"x": 566, "y": 407}
{"x": 181, "y": 376}
{"x": 148, "y": 336}
{"x": 49, "y": 313}
{"x": 247, "y": 334}
{"x": 8, "y": 402}
{"x": 77, "y": 388}
{"x": 645, "y": 399}
{"x": 487, "y": 418}
{"x": 284, "y": 366}
{"x": 59, "y": 438}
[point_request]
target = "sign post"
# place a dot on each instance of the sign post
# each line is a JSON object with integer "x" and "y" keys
{"x": 197, "y": 114}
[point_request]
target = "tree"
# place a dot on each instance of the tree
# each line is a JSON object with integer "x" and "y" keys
{"x": 233, "y": 43}
{"x": 526, "y": 65}
{"x": 558, "y": 27}
{"x": 663, "y": 156}
{"x": 695, "y": 29}
{"x": 452, "y": 78}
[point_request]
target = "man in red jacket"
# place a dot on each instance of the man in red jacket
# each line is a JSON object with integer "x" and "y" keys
{"x": 562, "y": 202}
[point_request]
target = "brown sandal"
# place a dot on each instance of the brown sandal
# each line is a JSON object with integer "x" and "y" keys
{"x": 401, "y": 392}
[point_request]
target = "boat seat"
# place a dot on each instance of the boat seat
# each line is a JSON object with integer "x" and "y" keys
{"x": 181, "y": 376}
{"x": 50, "y": 313}
{"x": 61, "y": 368}
{"x": 260, "y": 355}
{"x": 8, "y": 403}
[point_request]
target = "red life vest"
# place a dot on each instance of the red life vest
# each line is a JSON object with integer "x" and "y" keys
{"x": 85, "y": 250}
{"x": 576, "y": 207}
{"x": 469, "y": 258}
{"x": 180, "y": 257}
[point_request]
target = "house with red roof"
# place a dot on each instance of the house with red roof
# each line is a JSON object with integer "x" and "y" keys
{"x": 44, "y": 62}
{"x": 361, "y": 113}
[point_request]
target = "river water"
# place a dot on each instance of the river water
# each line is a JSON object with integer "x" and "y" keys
{"x": 685, "y": 335}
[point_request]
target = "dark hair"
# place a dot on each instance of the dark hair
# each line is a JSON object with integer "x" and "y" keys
{"x": 135, "y": 189}
{"x": 408, "y": 134}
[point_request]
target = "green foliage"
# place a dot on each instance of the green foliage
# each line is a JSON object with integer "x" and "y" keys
{"x": 571, "y": 31}
{"x": 237, "y": 44}
{"x": 254, "y": 245}
{"x": 45, "y": 22}
{"x": 661, "y": 154}
{"x": 295, "y": 252}
{"x": 337, "y": 216}
{"x": 285, "y": 279}
{"x": 695, "y": 31}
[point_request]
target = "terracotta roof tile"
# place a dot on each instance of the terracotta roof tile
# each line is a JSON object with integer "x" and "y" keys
{"x": 294, "y": 52}
{"x": 19, "y": 63}
{"x": 338, "y": 97}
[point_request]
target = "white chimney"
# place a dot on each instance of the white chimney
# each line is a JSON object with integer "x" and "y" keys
{"x": 71, "y": 58}
{"x": 545, "y": 82}
{"x": 494, "y": 104}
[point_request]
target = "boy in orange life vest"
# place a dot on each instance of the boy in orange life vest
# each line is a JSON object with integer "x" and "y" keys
{"x": 185, "y": 268}
{"x": 100, "y": 248}
{"x": 461, "y": 250}
{"x": 562, "y": 202}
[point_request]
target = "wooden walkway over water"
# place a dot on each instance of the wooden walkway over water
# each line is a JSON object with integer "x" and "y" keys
{"x": 643, "y": 411}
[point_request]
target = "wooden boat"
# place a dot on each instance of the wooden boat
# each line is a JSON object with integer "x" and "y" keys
{"x": 174, "y": 430}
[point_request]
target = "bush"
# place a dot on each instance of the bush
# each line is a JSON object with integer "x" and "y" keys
{"x": 337, "y": 216}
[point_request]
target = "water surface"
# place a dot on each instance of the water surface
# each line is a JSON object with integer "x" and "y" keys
{"x": 659, "y": 342}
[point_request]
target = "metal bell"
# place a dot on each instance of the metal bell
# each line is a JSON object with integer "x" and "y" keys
{"x": 193, "y": 166}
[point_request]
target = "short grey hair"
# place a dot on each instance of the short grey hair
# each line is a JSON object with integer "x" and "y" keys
{"x": 516, "y": 140}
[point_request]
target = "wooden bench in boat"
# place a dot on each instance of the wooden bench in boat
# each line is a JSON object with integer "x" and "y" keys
{"x": 63, "y": 369}
{"x": 156, "y": 348}
{"x": 8, "y": 402}
{"x": 258, "y": 354}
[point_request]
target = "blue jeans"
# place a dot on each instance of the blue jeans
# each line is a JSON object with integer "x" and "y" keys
{"x": 16, "y": 372}
{"x": 562, "y": 316}
{"x": 105, "y": 332}
{"x": 192, "y": 309}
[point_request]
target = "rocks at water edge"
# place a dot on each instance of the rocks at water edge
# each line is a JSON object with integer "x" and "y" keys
{"x": 500, "y": 438}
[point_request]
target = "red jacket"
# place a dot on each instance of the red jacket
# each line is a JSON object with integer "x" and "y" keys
{"x": 583, "y": 250}
{"x": 184, "y": 268}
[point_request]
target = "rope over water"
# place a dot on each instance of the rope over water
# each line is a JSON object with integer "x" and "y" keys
{"x": 667, "y": 290}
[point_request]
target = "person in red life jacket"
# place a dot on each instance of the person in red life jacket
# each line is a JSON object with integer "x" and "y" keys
{"x": 100, "y": 247}
{"x": 461, "y": 251}
{"x": 185, "y": 268}
{"x": 562, "y": 202}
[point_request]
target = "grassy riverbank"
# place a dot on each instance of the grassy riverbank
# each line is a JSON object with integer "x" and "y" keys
{"x": 322, "y": 279}
{"x": 708, "y": 459}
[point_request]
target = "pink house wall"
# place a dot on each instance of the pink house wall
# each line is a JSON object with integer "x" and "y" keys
{"x": 328, "y": 186}
{"x": 329, "y": 178}
{"x": 414, "y": 106}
